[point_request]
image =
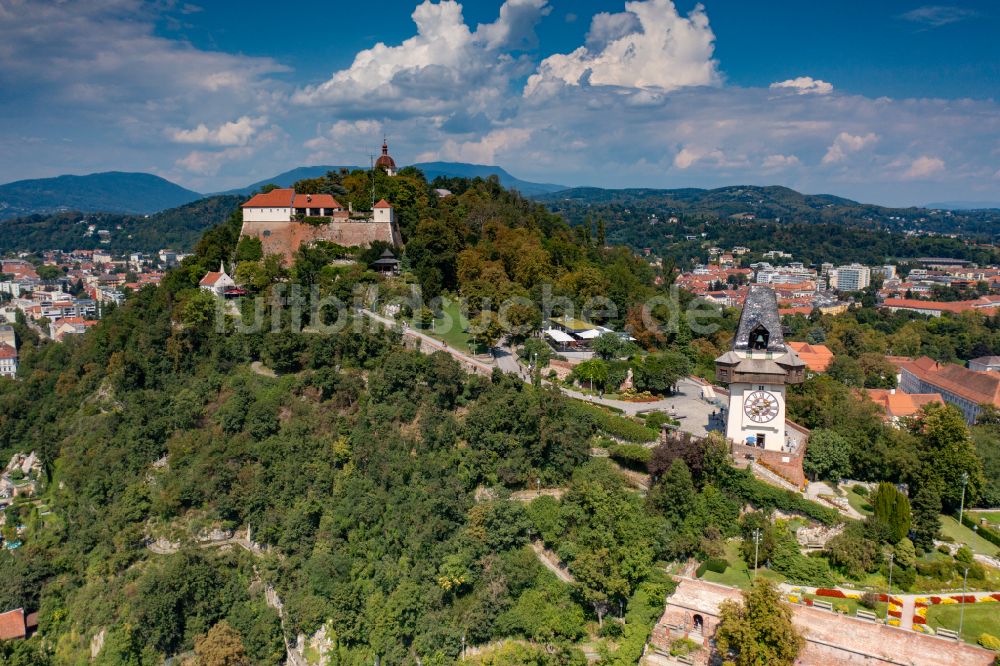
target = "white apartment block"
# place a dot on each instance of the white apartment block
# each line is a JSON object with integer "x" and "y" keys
{"x": 853, "y": 277}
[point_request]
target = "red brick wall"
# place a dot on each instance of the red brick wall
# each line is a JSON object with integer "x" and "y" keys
{"x": 286, "y": 237}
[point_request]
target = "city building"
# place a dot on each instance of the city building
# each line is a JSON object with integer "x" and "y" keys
{"x": 985, "y": 364}
{"x": 16, "y": 624}
{"x": 757, "y": 369}
{"x": 986, "y": 304}
{"x": 816, "y": 357}
{"x": 8, "y": 360}
{"x": 897, "y": 405}
{"x": 853, "y": 277}
{"x": 958, "y": 386}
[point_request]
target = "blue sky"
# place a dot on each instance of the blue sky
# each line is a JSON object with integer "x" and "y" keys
{"x": 890, "y": 102}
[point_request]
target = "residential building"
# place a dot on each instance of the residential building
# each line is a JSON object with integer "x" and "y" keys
{"x": 853, "y": 277}
{"x": 897, "y": 405}
{"x": 8, "y": 360}
{"x": 60, "y": 328}
{"x": 965, "y": 389}
{"x": 16, "y": 624}
{"x": 985, "y": 364}
{"x": 7, "y": 335}
{"x": 217, "y": 282}
{"x": 816, "y": 357}
{"x": 987, "y": 304}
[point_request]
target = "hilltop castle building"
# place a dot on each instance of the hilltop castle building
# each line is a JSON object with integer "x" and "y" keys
{"x": 385, "y": 161}
{"x": 284, "y": 220}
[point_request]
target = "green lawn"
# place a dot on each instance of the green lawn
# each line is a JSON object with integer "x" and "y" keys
{"x": 990, "y": 516}
{"x": 738, "y": 574}
{"x": 962, "y": 534}
{"x": 450, "y": 327}
{"x": 859, "y": 503}
{"x": 979, "y": 619}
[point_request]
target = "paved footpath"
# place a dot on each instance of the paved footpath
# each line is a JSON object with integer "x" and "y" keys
{"x": 695, "y": 414}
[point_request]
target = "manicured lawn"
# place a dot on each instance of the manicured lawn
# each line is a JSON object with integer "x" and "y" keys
{"x": 859, "y": 503}
{"x": 962, "y": 534}
{"x": 990, "y": 516}
{"x": 450, "y": 327}
{"x": 979, "y": 619}
{"x": 738, "y": 574}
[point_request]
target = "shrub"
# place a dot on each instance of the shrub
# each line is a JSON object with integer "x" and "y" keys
{"x": 714, "y": 564}
{"x": 633, "y": 456}
{"x": 617, "y": 426}
{"x": 869, "y": 600}
{"x": 944, "y": 549}
{"x": 990, "y": 642}
{"x": 612, "y": 629}
{"x": 685, "y": 646}
{"x": 860, "y": 490}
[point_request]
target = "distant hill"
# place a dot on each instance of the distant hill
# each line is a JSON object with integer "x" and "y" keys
{"x": 628, "y": 210}
{"x": 112, "y": 191}
{"x": 288, "y": 178}
{"x": 430, "y": 169}
{"x": 965, "y": 205}
{"x": 462, "y": 170}
{"x": 176, "y": 228}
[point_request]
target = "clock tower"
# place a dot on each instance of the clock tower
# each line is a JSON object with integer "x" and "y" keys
{"x": 757, "y": 369}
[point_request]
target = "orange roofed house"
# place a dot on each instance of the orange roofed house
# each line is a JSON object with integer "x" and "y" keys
{"x": 16, "y": 624}
{"x": 964, "y": 388}
{"x": 816, "y": 357}
{"x": 898, "y": 405}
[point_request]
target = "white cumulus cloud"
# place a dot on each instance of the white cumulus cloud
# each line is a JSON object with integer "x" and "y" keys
{"x": 481, "y": 151}
{"x": 649, "y": 46}
{"x": 804, "y": 85}
{"x": 777, "y": 162}
{"x": 235, "y": 133}
{"x": 443, "y": 68}
{"x": 924, "y": 167}
{"x": 845, "y": 144}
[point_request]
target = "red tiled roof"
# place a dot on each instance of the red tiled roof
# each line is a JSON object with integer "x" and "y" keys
{"x": 383, "y": 204}
{"x": 12, "y": 624}
{"x": 315, "y": 201}
{"x": 816, "y": 357}
{"x": 210, "y": 278}
{"x": 277, "y": 198}
{"x": 6, "y": 351}
{"x": 978, "y": 387}
{"x": 941, "y": 306}
{"x": 898, "y": 404}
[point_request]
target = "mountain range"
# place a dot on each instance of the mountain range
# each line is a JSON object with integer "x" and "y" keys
{"x": 145, "y": 193}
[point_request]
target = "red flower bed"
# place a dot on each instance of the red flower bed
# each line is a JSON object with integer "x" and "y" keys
{"x": 919, "y": 620}
{"x": 898, "y": 614}
{"x": 935, "y": 600}
{"x": 996, "y": 596}
{"x": 827, "y": 592}
{"x": 809, "y": 602}
{"x": 967, "y": 599}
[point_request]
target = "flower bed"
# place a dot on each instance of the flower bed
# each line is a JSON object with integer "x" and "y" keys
{"x": 828, "y": 592}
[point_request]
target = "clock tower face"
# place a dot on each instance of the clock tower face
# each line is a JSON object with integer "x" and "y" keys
{"x": 761, "y": 406}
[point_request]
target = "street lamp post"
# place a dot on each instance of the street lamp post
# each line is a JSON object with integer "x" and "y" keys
{"x": 756, "y": 549}
{"x": 961, "y": 609}
{"x": 961, "y": 506}
{"x": 888, "y": 596}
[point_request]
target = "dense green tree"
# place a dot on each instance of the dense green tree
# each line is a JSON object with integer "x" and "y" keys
{"x": 891, "y": 512}
{"x": 759, "y": 631}
{"x": 828, "y": 456}
{"x": 926, "y": 515}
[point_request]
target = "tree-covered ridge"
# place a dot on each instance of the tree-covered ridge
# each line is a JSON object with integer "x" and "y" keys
{"x": 177, "y": 228}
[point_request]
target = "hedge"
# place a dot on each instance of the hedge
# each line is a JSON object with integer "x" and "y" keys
{"x": 633, "y": 456}
{"x": 766, "y": 497}
{"x": 617, "y": 426}
{"x": 984, "y": 530}
{"x": 714, "y": 564}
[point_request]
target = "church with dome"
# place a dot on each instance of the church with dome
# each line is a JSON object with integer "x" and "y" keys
{"x": 385, "y": 159}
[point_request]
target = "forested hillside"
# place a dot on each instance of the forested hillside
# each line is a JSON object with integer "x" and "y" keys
{"x": 112, "y": 191}
{"x": 375, "y": 481}
{"x": 177, "y": 228}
